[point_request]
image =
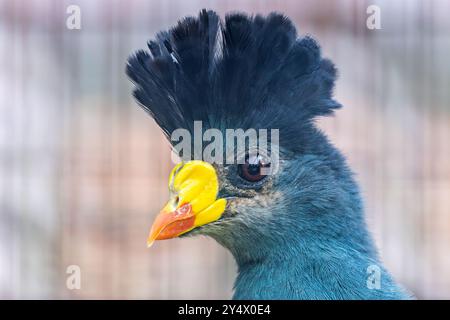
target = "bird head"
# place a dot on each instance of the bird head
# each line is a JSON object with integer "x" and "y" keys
{"x": 247, "y": 73}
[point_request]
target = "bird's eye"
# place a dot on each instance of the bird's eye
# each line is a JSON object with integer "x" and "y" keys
{"x": 254, "y": 169}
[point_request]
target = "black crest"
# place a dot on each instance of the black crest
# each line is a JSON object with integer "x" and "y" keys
{"x": 243, "y": 72}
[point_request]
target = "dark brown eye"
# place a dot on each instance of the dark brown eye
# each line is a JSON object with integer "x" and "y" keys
{"x": 254, "y": 169}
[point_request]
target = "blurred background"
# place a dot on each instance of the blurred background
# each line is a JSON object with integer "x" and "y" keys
{"x": 83, "y": 170}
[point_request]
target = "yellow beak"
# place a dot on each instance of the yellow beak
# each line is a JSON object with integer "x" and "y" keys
{"x": 193, "y": 188}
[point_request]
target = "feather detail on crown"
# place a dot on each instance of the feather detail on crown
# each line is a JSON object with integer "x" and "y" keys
{"x": 243, "y": 72}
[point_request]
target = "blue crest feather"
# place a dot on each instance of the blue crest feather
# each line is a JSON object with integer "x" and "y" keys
{"x": 243, "y": 72}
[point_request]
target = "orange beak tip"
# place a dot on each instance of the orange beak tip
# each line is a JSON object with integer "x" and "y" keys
{"x": 171, "y": 224}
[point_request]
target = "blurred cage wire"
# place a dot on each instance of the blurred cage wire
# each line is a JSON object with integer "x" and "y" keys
{"x": 83, "y": 169}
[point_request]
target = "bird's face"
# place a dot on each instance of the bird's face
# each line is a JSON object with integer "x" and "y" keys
{"x": 266, "y": 201}
{"x": 211, "y": 199}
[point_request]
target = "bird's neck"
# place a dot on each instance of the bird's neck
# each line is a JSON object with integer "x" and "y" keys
{"x": 312, "y": 271}
{"x": 295, "y": 272}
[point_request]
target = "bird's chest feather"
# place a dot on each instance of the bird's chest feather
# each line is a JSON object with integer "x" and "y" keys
{"x": 303, "y": 279}
{"x": 279, "y": 281}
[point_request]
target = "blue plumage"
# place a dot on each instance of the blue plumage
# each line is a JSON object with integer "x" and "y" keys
{"x": 245, "y": 72}
{"x": 299, "y": 234}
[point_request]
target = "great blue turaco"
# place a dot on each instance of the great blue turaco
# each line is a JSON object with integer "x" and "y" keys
{"x": 299, "y": 232}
